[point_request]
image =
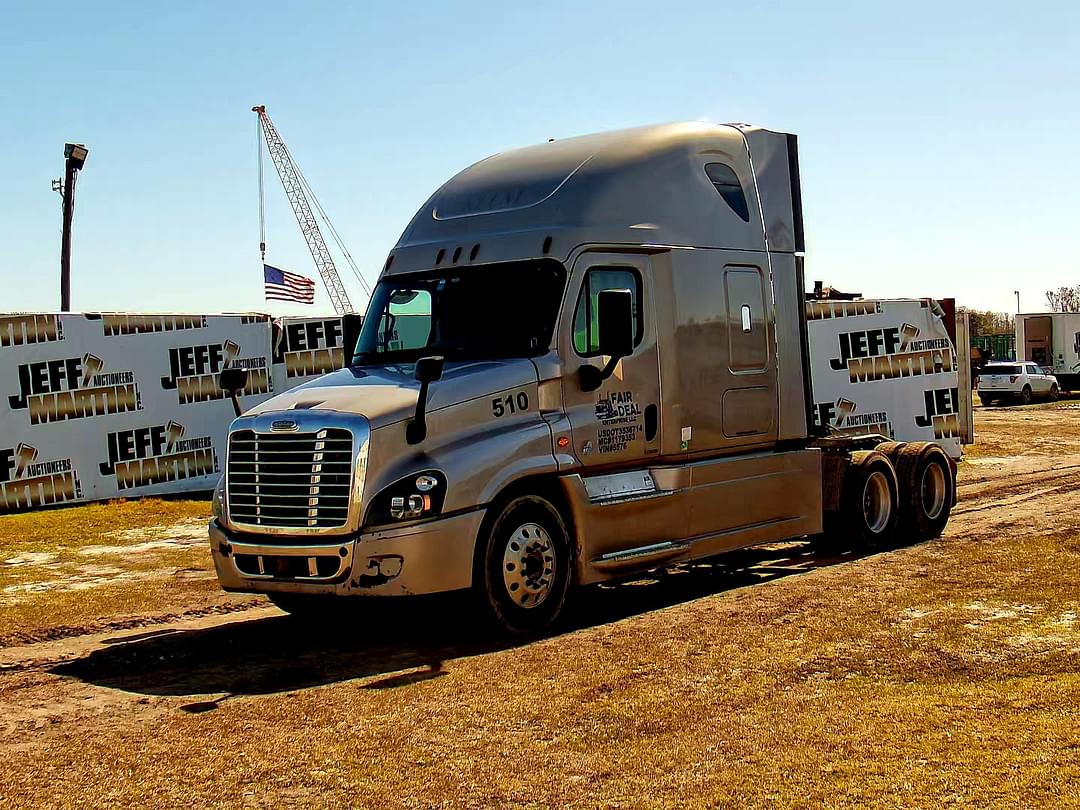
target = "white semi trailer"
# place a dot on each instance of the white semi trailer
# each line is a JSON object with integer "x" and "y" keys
{"x": 889, "y": 394}
{"x": 1051, "y": 340}
{"x": 613, "y": 376}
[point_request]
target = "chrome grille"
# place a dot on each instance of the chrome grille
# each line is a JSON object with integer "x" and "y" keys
{"x": 290, "y": 480}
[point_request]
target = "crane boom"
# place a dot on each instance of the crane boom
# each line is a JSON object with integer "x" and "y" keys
{"x": 291, "y": 180}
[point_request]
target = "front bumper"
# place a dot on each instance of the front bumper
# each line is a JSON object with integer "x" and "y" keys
{"x": 430, "y": 557}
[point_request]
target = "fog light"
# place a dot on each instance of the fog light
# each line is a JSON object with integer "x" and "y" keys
{"x": 401, "y": 509}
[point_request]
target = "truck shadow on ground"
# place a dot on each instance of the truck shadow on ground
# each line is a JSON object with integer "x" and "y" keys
{"x": 405, "y": 641}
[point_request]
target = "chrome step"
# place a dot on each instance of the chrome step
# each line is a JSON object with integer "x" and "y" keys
{"x": 654, "y": 552}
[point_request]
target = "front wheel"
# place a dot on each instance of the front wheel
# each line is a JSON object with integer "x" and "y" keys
{"x": 526, "y": 567}
{"x": 985, "y": 400}
{"x": 1054, "y": 393}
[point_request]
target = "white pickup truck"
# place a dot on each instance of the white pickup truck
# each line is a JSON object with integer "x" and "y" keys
{"x": 1023, "y": 381}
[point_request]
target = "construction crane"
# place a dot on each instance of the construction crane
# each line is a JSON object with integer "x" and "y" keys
{"x": 298, "y": 191}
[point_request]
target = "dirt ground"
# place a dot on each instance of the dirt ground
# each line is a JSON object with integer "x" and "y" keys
{"x": 938, "y": 673}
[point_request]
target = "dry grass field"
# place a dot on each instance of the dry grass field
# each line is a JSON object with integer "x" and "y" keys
{"x": 925, "y": 675}
{"x": 71, "y": 571}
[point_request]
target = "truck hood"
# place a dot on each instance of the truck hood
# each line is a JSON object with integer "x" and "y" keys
{"x": 387, "y": 394}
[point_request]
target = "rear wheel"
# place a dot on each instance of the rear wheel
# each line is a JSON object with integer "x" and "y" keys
{"x": 868, "y": 503}
{"x": 526, "y": 566}
{"x": 1054, "y": 392}
{"x": 890, "y": 450}
{"x": 984, "y": 399}
{"x": 927, "y": 490}
{"x": 1025, "y": 395}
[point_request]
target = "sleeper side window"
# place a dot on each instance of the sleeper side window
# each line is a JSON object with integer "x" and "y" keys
{"x": 586, "y": 326}
{"x": 727, "y": 184}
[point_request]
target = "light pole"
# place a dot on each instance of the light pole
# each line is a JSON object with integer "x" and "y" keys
{"x": 75, "y": 155}
{"x": 1017, "y": 294}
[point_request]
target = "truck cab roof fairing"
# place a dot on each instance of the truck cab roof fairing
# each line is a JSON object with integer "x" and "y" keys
{"x": 639, "y": 186}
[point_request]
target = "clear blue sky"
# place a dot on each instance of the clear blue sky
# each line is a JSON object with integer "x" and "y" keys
{"x": 938, "y": 140}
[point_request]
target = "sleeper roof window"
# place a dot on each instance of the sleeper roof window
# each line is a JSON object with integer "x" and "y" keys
{"x": 726, "y": 182}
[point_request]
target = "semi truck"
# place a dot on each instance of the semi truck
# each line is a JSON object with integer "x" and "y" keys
{"x": 1051, "y": 340}
{"x": 612, "y": 376}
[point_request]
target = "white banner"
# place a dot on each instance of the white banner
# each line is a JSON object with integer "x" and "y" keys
{"x": 885, "y": 367}
{"x": 100, "y": 406}
{"x": 305, "y": 348}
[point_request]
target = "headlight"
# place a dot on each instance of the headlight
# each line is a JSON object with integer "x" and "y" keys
{"x": 418, "y": 496}
{"x": 219, "y": 498}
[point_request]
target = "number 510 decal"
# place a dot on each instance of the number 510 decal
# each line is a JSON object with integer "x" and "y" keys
{"x": 500, "y": 406}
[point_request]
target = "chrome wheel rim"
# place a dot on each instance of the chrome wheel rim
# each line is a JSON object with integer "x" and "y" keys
{"x": 876, "y": 503}
{"x": 932, "y": 490}
{"x": 529, "y": 565}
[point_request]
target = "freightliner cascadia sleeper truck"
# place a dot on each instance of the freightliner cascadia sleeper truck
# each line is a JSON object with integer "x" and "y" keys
{"x": 582, "y": 360}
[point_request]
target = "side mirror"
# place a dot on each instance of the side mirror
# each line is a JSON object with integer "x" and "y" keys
{"x": 232, "y": 381}
{"x": 615, "y": 322}
{"x": 615, "y": 338}
{"x": 350, "y": 334}
{"x": 428, "y": 370}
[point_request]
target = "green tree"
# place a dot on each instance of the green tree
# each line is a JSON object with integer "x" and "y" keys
{"x": 990, "y": 323}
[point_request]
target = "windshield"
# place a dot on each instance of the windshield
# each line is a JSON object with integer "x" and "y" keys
{"x": 503, "y": 310}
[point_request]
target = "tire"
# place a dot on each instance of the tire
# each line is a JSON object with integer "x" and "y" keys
{"x": 869, "y": 511}
{"x": 1025, "y": 395}
{"x": 985, "y": 400}
{"x": 890, "y": 450}
{"x": 927, "y": 490}
{"x": 1054, "y": 393}
{"x": 526, "y": 566}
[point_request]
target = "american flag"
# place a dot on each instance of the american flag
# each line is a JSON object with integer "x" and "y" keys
{"x": 281, "y": 285}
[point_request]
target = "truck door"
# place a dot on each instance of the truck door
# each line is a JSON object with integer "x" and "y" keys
{"x": 619, "y": 422}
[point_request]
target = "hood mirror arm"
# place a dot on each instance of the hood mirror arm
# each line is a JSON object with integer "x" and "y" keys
{"x": 616, "y": 327}
{"x": 428, "y": 370}
{"x": 590, "y": 377}
{"x": 232, "y": 381}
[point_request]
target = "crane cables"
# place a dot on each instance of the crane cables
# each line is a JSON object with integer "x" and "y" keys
{"x": 306, "y": 190}
{"x": 333, "y": 231}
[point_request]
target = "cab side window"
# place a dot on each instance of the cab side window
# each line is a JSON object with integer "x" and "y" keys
{"x": 586, "y": 326}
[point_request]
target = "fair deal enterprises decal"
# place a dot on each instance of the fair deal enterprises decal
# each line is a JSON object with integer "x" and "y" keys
{"x": 620, "y": 422}
{"x": 26, "y": 483}
{"x": 193, "y": 371}
{"x": 157, "y": 454}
